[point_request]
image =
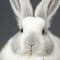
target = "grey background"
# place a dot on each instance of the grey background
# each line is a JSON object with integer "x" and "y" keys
{"x": 8, "y": 25}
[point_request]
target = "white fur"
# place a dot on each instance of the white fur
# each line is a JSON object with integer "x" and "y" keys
{"x": 32, "y": 44}
{"x": 8, "y": 54}
{"x": 43, "y": 11}
{"x": 22, "y": 9}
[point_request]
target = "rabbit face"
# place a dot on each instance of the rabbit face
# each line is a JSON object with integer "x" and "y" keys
{"x": 30, "y": 36}
{"x": 32, "y": 40}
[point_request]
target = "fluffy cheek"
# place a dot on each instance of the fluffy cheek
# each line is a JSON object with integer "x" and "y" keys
{"x": 18, "y": 45}
{"x": 45, "y": 46}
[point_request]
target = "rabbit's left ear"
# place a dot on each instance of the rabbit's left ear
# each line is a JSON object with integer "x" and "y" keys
{"x": 47, "y": 8}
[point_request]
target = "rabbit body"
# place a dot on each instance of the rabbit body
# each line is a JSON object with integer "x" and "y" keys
{"x": 34, "y": 41}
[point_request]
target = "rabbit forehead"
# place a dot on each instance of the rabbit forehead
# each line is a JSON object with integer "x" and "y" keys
{"x": 36, "y": 22}
{"x": 33, "y": 24}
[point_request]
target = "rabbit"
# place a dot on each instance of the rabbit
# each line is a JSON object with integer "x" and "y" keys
{"x": 34, "y": 41}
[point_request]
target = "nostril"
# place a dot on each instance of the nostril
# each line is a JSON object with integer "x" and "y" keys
{"x": 31, "y": 44}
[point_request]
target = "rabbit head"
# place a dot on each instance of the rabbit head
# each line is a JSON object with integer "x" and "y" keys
{"x": 34, "y": 37}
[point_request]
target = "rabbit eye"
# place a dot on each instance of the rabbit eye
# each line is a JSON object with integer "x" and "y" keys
{"x": 21, "y": 30}
{"x": 43, "y": 32}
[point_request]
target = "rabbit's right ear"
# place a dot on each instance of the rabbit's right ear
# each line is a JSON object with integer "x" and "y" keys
{"x": 22, "y": 8}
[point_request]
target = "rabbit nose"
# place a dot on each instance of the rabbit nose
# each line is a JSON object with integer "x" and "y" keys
{"x": 31, "y": 43}
{"x": 32, "y": 40}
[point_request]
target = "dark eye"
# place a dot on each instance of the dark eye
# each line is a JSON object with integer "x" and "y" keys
{"x": 21, "y": 30}
{"x": 43, "y": 32}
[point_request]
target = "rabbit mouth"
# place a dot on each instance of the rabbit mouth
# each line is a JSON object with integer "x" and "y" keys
{"x": 28, "y": 51}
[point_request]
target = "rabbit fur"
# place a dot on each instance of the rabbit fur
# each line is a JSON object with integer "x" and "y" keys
{"x": 34, "y": 41}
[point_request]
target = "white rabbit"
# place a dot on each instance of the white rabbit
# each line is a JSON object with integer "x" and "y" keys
{"x": 34, "y": 41}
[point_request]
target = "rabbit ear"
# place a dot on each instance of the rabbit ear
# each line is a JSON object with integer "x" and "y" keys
{"x": 47, "y": 8}
{"x": 22, "y": 9}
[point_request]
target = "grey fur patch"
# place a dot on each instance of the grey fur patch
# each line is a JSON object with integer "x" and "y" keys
{"x": 46, "y": 47}
{"x": 15, "y": 44}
